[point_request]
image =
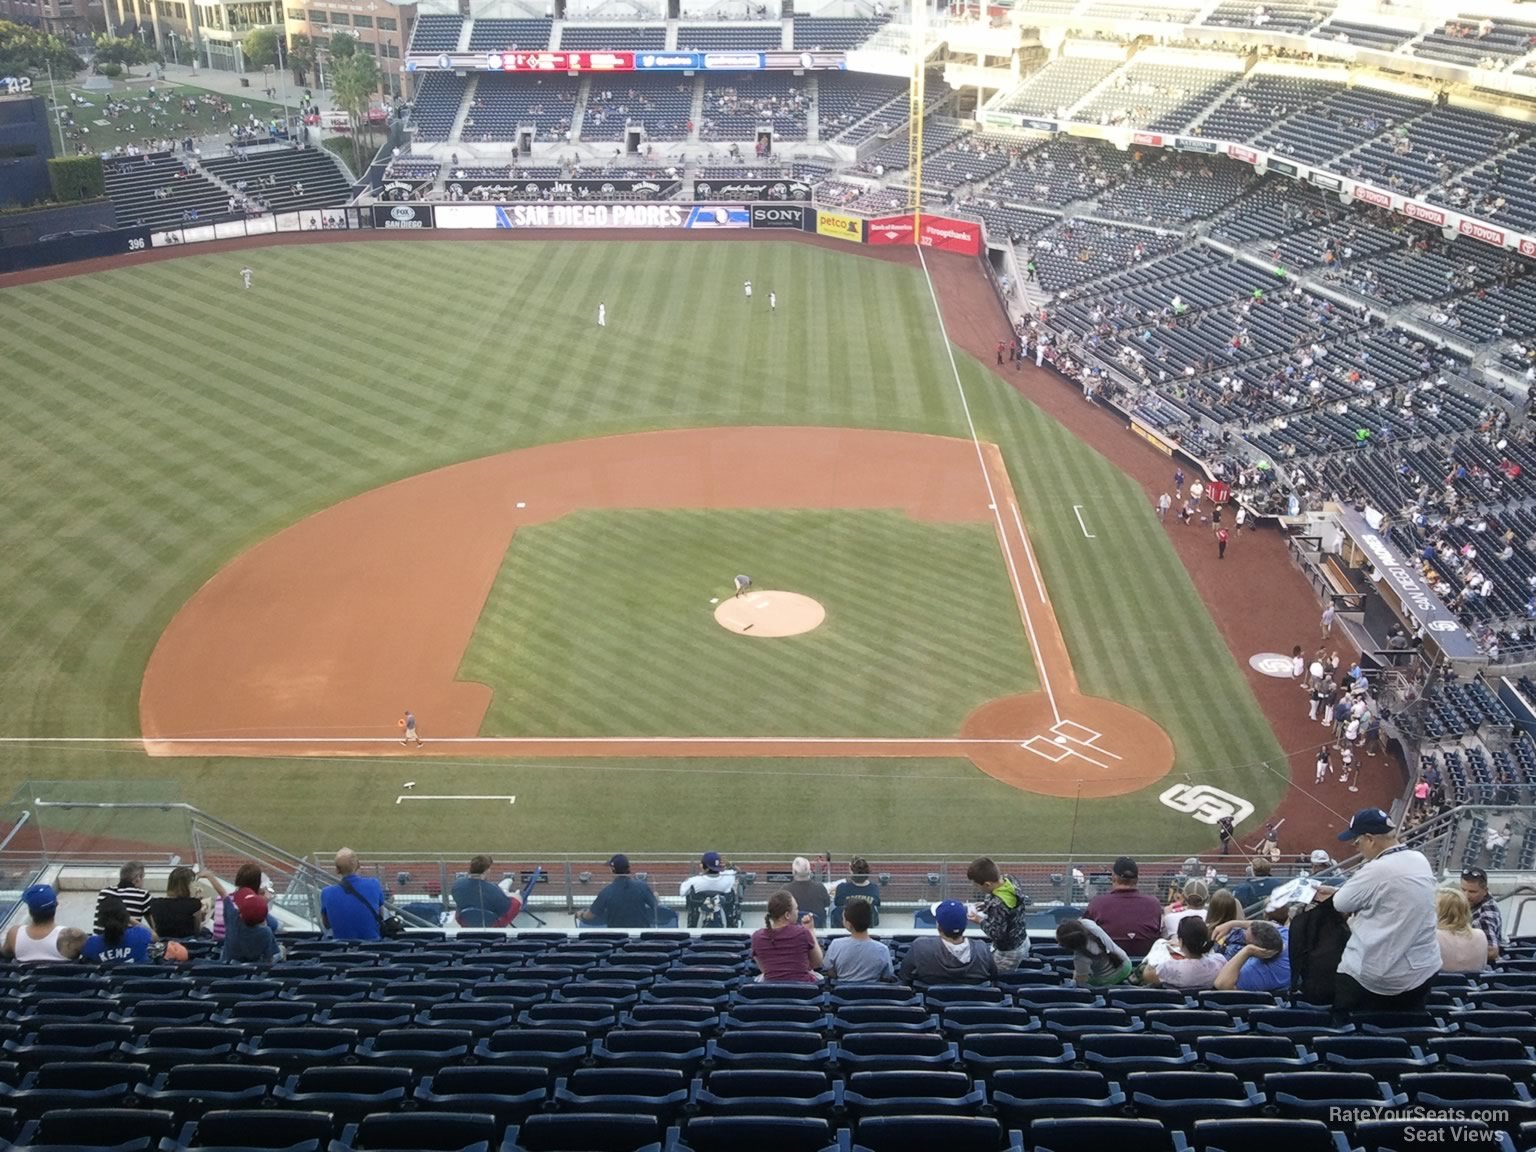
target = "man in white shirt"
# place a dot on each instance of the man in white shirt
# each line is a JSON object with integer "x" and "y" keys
{"x": 1392, "y": 955}
{"x": 714, "y": 879}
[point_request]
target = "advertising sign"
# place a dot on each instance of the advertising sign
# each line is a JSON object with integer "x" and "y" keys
{"x": 1368, "y": 195}
{"x": 398, "y": 216}
{"x": 780, "y": 216}
{"x": 1149, "y": 139}
{"x": 560, "y": 62}
{"x": 946, "y": 235}
{"x": 1528, "y": 247}
{"x": 1478, "y": 231}
{"x": 891, "y": 230}
{"x": 1325, "y": 181}
{"x": 1246, "y": 155}
{"x": 562, "y": 215}
{"x": 1424, "y": 212}
{"x": 719, "y": 216}
{"x": 585, "y": 188}
{"x": 751, "y": 190}
{"x": 840, "y": 226}
{"x": 547, "y": 60}
{"x": 1195, "y": 144}
{"x": 1284, "y": 168}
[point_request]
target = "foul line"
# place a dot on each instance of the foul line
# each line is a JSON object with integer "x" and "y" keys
{"x": 986, "y": 477}
{"x": 1077, "y": 510}
{"x": 402, "y": 799}
{"x": 133, "y": 740}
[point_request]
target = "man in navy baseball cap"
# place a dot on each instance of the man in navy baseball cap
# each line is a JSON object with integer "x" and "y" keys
{"x": 1368, "y": 822}
{"x": 619, "y": 864}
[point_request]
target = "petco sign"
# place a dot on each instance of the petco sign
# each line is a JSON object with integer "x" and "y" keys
{"x": 1206, "y": 804}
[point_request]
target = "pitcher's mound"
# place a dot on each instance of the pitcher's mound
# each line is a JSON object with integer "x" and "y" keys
{"x": 770, "y": 614}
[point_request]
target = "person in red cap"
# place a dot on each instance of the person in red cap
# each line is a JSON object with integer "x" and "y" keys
{"x": 247, "y": 935}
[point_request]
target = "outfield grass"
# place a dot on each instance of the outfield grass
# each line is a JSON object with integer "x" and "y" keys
{"x": 921, "y": 627}
{"x": 137, "y": 465}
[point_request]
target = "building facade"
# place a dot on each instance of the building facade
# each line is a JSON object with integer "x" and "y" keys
{"x": 381, "y": 29}
{"x": 67, "y": 19}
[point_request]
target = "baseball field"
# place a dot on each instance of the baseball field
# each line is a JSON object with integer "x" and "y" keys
{"x": 247, "y": 529}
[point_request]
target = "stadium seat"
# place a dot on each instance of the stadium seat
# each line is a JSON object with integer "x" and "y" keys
{"x": 1119, "y": 1134}
{"x": 188, "y": 1090}
{"x": 765, "y": 1048}
{"x": 799, "y": 993}
{"x": 509, "y": 1093}
{"x": 1483, "y": 1054}
{"x": 650, "y": 1048}
{"x": 757, "y": 1134}
{"x": 1254, "y": 1056}
{"x": 778, "y": 1016}
{"x": 418, "y": 1048}
{"x": 422, "y": 1131}
{"x": 254, "y": 1016}
{"x": 937, "y": 997}
{"x": 594, "y": 1018}
{"x": 842, "y": 994}
{"x": 864, "y": 1051}
{"x": 1039, "y": 999}
{"x": 1119, "y": 1052}
{"x": 912, "y": 1093}
{"x": 1022, "y": 1095}
{"x": 557, "y": 1050}
{"x": 120, "y": 1129}
{"x": 1315, "y": 1095}
{"x": 1265, "y": 1136}
{"x": 293, "y": 1049}
{"x": 348, "y": 1093}
{"x": 784, "y": 1092}
{"x": 588, "y": 1131}
{"x": 1301, "y": 1023}
{"x": 985, "y": 1053}
{"x": 884, "y": 1018}
{"x": 167, "y": 1047}
{"x": 55, "y": 1042}
{"x": 1189, "y": 1024}
{"x": 264, "y": 1128}
{"x": 95, "y": 1084}
{"x": 926, "y": 1133}
{"x": 1180, "y": 1098}
{"x": 961, "y": 1019}
{"x": 1074, "y": 1023}
{"x": 1474, "y": 1092}
{"x": 659, "y": 1092}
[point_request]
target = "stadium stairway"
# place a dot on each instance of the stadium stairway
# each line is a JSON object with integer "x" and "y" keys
{"x": 465, "y": 104}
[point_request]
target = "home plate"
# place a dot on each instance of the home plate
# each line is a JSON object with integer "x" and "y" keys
{"x": 1061, "y": 739}
{"x": 522, "y": 504}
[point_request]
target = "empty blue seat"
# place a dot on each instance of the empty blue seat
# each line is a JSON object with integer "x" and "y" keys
{"x": 123, "y": 1129}
{"x": 477, "y": 1016}
{"x": 83, "y": 1084}
{"x": 960, "y": 1019}
{"x": 1190, "y": 1024}
{"x": 418, "y": 1048}
{"x": 593, "y": 1018}
{"x": 1483, "y": 1054}
{"x": 841, "y": 994}
{"x": 673, "y": 1015}
{"x": 859, "y": 1051}
{"x": 167, "y": 1047}
{"x": 1318, "y": 1095}
{"x": 266, "y": 1128}
{"x": 776, "y": 1092}
{"x": 54, "y": 1042}
{"x": 1385, "y": 1057}
{"x": 659, "y": 1092}
{"x": 941, "y": 996}
{"x": 558, "y": 1050}
{"x": 509, "y": 1093}
{"x": 1133, "y": 1052}
{"x": 650, "y": 1048}
{"x": 588, "y": 1131}
{"x": 1252, "y": 1055}
{"x": 1265, "y": 1136}
{"x": 1074, "y": 1135}
{"x": 1400, "y": 1135}
{"x": 189, "y": 1090}
{"x": 1039, "y": 999}
{"x": 295, "y": 1048}
{"x": 253, "y": 1016}
{"x": 1074, "y": 1023}
{"x": 926, "y": 1133}
{"x": 1471, "y": 1092}
{"x": 1302, "y": 1023}
{"x": 1132, "y": 998}
{"x": 754, "y": 991}
{"x": 1181, "y": 1098}
{"x": 766, "y": 1048}
{"x": 912, "y": 1093}
{"x": 347, "y": 1092}
{"x": 423, "y": 1131}
{"x": 984, "y": 1053}
{"x": 757, "y": 1134}
{"x": 1026, "y": 1094}
{"x": 884, "y": 1018}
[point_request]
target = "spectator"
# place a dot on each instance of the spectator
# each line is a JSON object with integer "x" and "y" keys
{"x": 129, "y": 889}
{"x": 120, "y": 940}
{"x": 179, "y": 913}
{"x": 1196, "y": 896}
{"x": 1000, "y": 913}
{"x": 1485, "y": 910}
{"x": 1463, "y": 947}
{"x": 1261, "y": 964}
{"x": 624, "y": 902}
{"x": 949, "y": 957}
{"x": 1131, "y": 918}
{"x": 858, "y": 885}
{"x": 248, "y": 937}
{"x": 351, "y": 909}
{"x": 43, "y": 941}
{"x": 479, "y": 903}
{"x": 1392, "y": 955}
{"x": 1097, "y": 961}
{"x": 711, "y": 895}
{"x": 1222, "y": 909}
{"x": 1192, "y": 964}
{"x": 785, "y": 948}
{"x": 810, "y": 894}
{"x": 857, "y": 958}
{"x": 1256, "y": 889}
{"x": 1323, "y": 868}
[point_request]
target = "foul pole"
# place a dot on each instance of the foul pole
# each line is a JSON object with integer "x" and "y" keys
{"x": 915, "y": 101}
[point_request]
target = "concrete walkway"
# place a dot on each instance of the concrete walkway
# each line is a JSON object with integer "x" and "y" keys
{"x": 228, "y": 84}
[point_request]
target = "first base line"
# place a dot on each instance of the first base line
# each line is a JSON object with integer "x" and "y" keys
{"x": 402, "y": 799}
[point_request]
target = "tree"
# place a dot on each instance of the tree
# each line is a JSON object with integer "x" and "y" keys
{"x": 124, "y": 50}
{"x": 343, "y": 46}
{"x": 29, "y": 52}
{"x": 354, "y": 80}
{"x": 260, "y": 48}
{"x": 301, "y": 56}
{"x": 77, "y": 178}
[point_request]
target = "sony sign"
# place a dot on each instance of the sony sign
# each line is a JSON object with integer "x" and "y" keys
{"x": 778, "y": 216}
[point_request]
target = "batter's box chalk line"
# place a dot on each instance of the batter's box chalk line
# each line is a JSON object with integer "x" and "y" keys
{"x": 1047, "y": 749}
{"x": 1069, "y": 736}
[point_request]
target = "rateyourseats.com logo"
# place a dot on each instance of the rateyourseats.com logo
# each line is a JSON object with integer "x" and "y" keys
{"x": 1206, "y": 804}
{"x": 1439, "y": 1127}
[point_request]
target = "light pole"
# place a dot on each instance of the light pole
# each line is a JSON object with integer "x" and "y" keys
{"x": 175, "y": 56}
{"x": 282, "y": 80}
{"x": 58, "y": 113}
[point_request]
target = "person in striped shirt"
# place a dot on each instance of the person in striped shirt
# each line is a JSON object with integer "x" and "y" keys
{"x": 130, "y": 890}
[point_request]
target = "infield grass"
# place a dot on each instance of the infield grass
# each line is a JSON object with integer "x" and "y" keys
{"x": 921, "y": 627}
{"x": 160, "y": 419}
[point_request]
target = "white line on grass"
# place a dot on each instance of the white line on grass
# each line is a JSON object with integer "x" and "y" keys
{"x": 139, "y": 740}
{"x": 403, "y": 799}
{"x": 1077, "y": 510}
{"x": 986, "y": 477}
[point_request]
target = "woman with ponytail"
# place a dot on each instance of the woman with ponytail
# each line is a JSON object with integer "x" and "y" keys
{"x": 121, "y": 940}
{"x": 786, "y": 948}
